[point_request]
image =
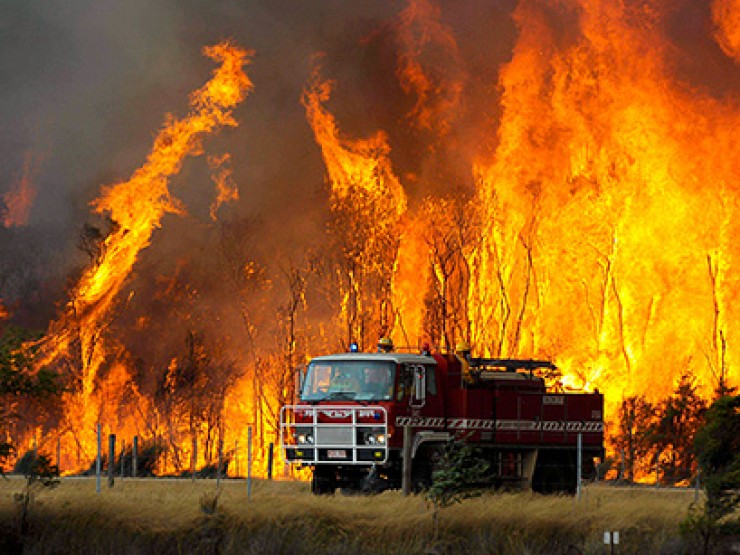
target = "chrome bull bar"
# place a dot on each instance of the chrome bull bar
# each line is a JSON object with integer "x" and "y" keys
{"x": 334, "y": 434}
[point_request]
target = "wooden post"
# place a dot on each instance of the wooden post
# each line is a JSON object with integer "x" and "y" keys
{"x": 59, "y": 455}
{"x": 579, "y": 462}
{"x": 697, "y": 485}
{"x": 194, "y": 460}
{"x": 111, "y": 458}
{"x": 123, "y": 456}
{"x": 249, "y": 462}
{"x": 406, "y": 476}
{"x": 161, "y": 456}
{"x": 220, "y": 459}
{"x": 97, "y": 462}
{"x": 598, "y": 466}
{"x": 270, "y": 450}
{"x": 134, "y": 456}
{"x": 236, "y": 457}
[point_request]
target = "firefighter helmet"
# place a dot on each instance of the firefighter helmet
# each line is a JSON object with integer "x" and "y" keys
{"x": 462, "y": 347}
{"x": 385, "y": 345}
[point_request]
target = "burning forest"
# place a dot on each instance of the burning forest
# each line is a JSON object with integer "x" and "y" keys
{"x": 549, "y": 180}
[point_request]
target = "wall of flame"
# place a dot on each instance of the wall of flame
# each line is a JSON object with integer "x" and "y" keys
{"x": 576, "y": 202}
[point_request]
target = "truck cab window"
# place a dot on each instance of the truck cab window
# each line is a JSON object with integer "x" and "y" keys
{"x": 431, "y": 381}
{"x": 354, "y": 380}
{"x": 405, "y": 382}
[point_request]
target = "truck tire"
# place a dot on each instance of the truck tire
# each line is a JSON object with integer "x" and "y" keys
{"x": 424, "y": 465}
{"x": 324, "y": 481}
{"x": 555, "y": 472}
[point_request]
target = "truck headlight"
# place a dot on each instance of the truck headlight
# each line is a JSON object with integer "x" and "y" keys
{"x": 304, "y": 438}
{"x": 374, "y": 438}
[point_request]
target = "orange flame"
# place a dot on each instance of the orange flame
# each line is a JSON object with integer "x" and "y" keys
{"x": 597, "y": 224}
{"x": 355, "y": 167}
{"x": 226, "y": 190}
{"x": 19, "y": 199}
{"x": 136, "y": 207}
{"x": 367, "y": 194}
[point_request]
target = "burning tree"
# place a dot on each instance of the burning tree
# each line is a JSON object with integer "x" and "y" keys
{"x": 79, "y": 339}
{"x": 451, "y": 236}
{"x": 367, "y": 202}
{"x": 658, "y": 437}
{"x": 275, "y": 376}
{"x": 28, "y": 396}
{"x": 633, "y": 442}
{"x": 679, "y": 418}
{"x": 190, "y": 402}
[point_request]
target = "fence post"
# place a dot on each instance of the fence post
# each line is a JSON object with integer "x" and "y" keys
{"x": 220, "y": 459}
{"x": 111, "y": 458}
{"x": 697, "y": 485}
{"x": 236, "y": 457}
{"x": 249, "y": 462}
{"x": 579, "y": 462}
{"x": 270, "y": 450}
{"x": 406, "y": 476}
{"x": 59, "y": 455}
{"x": 161, "y": 456}
{"x": 194, "y": 460}
{"x": 134, "y": 456}
{"x": 123, "y": 456}
{"x": 97, "y": 463}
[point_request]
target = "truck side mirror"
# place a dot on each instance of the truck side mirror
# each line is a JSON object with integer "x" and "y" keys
{"x": 300, "y": 378}
{"x": 420, "y": 386}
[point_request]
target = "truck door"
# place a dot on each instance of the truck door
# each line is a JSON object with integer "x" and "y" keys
{"x": 418, "y": 389}
{"x": 425, "y": 398}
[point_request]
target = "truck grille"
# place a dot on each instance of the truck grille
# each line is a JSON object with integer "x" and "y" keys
{"x": 340, "y": 440}
{"x": 334, "y": 436}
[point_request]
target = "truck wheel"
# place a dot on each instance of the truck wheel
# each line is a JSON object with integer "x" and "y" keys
{"x": 324, "y": 481}
{"x": 555, "y": 473}
{"x": 421, "y": 481}
{"x": 423, "y": 467}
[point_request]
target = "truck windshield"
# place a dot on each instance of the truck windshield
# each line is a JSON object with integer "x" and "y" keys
{"x": 353, "y": 380}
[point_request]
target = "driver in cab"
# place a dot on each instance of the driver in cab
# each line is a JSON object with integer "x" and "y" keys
{"x": 344, "y": 381}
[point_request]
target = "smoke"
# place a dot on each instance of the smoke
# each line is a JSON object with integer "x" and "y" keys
{"x": 86, "y": 86}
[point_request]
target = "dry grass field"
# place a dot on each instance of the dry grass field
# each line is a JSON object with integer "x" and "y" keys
{"x": 179, "y": 516}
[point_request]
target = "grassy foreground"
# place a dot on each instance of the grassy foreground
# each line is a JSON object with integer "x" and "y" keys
{"x": 171, "y": 516}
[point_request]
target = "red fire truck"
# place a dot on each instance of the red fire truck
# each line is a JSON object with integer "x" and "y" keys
{"x": 355, "y": 408}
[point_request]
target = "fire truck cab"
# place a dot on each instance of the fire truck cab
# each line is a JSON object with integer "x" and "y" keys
{"x": 348, "y": 425}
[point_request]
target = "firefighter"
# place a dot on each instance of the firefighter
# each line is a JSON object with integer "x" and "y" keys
{"x": 377, "y": 382}
{"x": 385, "y": 345}
{"x": 462, "y": 351}
{"x": 344, "y": 382}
